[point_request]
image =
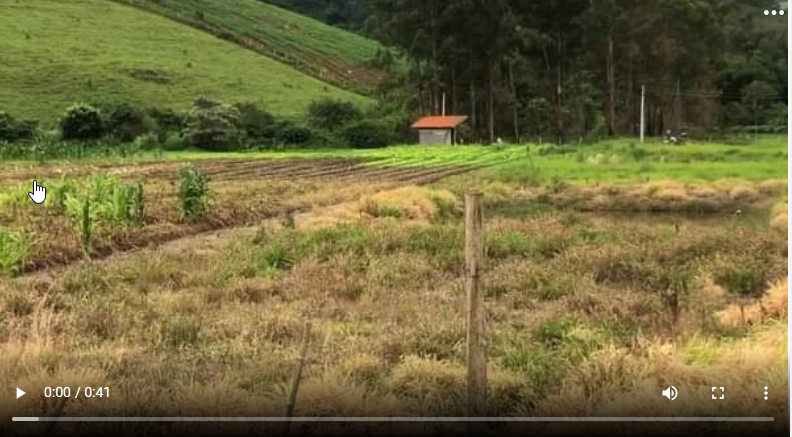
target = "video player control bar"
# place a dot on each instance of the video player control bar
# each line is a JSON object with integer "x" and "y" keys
{"x": 394, "y": 419}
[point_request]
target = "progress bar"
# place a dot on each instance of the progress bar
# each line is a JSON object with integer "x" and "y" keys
{"x": 393, "y": 419}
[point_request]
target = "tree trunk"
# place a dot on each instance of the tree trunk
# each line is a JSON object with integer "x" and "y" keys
{"x": 559, "y": 97}
{"x": 453, "y": 91}
{"x": 473, "y": 113}
{"x": 490, "y": 105}
{"x": 611, "y": 72}
{"x": 435, "y": 62}
{"x": 515, "y": 102}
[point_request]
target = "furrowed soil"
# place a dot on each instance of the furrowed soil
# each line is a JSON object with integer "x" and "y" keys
{"x": 244, "y": 193}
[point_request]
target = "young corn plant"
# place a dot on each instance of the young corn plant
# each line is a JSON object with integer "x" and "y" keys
{"x": 14, "y": 248}
{"x": 137, "y": 208}
{"x": 193, "y": 193}
{"x": 85, "y": 227}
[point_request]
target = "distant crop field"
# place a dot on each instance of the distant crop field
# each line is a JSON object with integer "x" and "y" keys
{"x": 326, "y": 52}
{"x": 614, "y": 161}
{"x": 59, "y": 52}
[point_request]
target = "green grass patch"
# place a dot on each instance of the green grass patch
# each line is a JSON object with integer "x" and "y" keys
{"x": 59, "y": 52}
{"x": 307, "y": 44}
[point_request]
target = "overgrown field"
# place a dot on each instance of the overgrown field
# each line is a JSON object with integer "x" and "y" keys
{"x": 600, "y": 292}
{"x": 59, "y": 52}
{"x": 586, "y": 313}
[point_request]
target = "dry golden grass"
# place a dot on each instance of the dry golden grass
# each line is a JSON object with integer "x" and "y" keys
{"x": 619, "y": 382}
{"x": 779, "y": 216}
{"x": 774, "y": 187}
{"x": 667, "y": 195}
{"x": 497, "y": 191}
{"x": 419, "y": 205}
{"x": 773, "y": 305}
{"x": 211, "y": 321}
{"x": 413, "y": 202}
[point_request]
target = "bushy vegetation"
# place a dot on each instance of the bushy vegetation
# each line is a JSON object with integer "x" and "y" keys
{"x": 332, "y": 115}
{"x": 81, "y": 122}
{"x": 126, "y": 122}
{"x": 125, "y": 129}
{"x": 214, "y": 126}
{"x": 368, "y": 135}
{"x": 13, "y": 130}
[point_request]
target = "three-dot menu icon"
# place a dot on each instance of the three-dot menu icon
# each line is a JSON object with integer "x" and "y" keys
{"x": 773, "y": 12}
{"x": 765, "y": 393}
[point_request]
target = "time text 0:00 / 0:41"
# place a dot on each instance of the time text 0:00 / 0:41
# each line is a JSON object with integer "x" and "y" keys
{"x": 66, "y": 392}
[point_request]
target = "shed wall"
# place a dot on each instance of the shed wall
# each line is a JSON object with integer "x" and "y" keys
{"x": 435, "y": 136}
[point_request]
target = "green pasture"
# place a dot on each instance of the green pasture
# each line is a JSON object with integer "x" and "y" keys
{"x": 56, "y": 52}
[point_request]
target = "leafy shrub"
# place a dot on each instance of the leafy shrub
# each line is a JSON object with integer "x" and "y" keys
{"x": 193, "y": 192}
{"x": 294, "y": 135}
{"x": 14, "y": 248}
{"x": 166, "y": 121}
{"x": 332, "y": 114}
{"x": 147, "y": 141}
{"x": 213, "y": 126}
{"x": 173, "y": 141}
{"x": 126, "y": 122}
{"x": 81, "y": 122}
{"x": 12, "y": 130}
{"x": 368, "y": 135}
{"x": 254, "y": 121}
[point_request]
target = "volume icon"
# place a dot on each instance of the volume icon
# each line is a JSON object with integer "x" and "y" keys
{"x": 670, "y": 393}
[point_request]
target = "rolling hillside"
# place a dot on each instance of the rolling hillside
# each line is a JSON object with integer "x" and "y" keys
{"x": 326, "y": 52}
{"x": 56, "y": 52}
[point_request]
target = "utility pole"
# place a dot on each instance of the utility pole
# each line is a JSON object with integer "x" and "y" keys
{"x": 643, "y": 112}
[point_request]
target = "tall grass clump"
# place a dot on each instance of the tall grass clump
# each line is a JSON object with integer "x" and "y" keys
{"x": 779, "y": 216}
{"x": 193, "y": 192}
{"x": 744, "y": 281}
{"x": 412, "y": 202}
{"x": 14, "y": 248}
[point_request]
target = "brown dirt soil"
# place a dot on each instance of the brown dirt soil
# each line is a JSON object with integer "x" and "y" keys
{"x": 246, "y": 192}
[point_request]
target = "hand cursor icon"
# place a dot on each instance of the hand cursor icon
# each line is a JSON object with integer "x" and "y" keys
{"x": 39, "y": 193}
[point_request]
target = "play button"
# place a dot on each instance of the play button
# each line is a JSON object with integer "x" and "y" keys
{"x": 20, "y": 393}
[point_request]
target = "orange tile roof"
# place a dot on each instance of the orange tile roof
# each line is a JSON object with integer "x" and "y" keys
{"x": 440, "y": 122}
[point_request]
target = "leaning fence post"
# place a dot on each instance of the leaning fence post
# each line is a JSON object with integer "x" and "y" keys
{"x": 474, "y": 262}
{"x": 306, "y": 341}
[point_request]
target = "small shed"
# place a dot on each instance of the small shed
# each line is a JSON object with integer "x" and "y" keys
{"x": 441, "y": 129}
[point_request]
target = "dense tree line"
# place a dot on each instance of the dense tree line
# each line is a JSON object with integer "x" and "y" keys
{"x": 571, "y": 69}
{"x": 347, "y": 14}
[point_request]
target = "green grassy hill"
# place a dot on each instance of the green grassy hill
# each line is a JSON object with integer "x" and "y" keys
{"x": 324, "y": 51}
{"x": 55, "y": 52}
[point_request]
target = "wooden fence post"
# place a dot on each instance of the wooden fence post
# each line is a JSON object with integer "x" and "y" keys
{"x": 306, "y": 341}
{"x": 476, "y": 354}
